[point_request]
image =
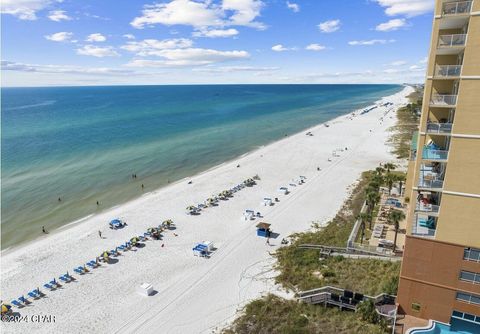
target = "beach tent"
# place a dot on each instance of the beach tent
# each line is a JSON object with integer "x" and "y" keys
{"x": 116, "y": 223}
{"x": 203, "y": 248}
{"x": 262, "y": 229}
{"x": 283, "y": 190}
{"x": 248, "y": 214}
{"x": 267, "y": 201}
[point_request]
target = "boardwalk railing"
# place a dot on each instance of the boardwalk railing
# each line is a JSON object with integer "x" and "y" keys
{"x": 356, "y": 227}
{"x": 384, "y": 303}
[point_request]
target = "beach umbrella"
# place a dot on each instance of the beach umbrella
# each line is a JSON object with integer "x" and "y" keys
{"x": 167, "y": 222}
{"x": 190, "y": 207}
{"x": 6, "y": 308}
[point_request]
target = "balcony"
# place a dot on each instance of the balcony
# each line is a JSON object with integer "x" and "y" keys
{"x": 456, "y": 8}
{"x": 439, "y": 128}
{"x": 451, "y": 41}
{"x": 448, "y": 71}
{"x": 442, "y": 100}
{"x": 433, "y": 154}
{"x": 429, "y": 179}
{"x": 424, "y": 226}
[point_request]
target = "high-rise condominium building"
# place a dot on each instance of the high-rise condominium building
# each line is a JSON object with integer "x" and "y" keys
{"x": 440, "y": 275}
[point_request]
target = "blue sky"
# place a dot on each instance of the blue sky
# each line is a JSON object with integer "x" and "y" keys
{"x": 67, "y": 42}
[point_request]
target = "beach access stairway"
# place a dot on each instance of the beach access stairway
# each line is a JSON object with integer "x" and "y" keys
{"x": 347, "y": 252}
{"x": 347, "y": 300}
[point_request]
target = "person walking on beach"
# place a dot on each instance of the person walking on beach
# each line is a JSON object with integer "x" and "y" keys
{"x": 100, "y": 234}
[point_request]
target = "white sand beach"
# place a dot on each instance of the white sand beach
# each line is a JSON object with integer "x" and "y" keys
{"x": 193, "y": 294}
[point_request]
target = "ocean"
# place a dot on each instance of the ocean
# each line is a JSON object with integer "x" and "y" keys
{"x": 82, "y": 144}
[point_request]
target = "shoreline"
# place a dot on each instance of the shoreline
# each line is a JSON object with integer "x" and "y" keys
{"x": 194, "y": 294}
{"x": 80, "y": 220}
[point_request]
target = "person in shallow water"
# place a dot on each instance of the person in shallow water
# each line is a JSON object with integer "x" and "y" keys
{"x": 44, "y": 230}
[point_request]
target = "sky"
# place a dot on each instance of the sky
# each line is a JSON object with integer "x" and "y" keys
{"x": 137, "y": 42}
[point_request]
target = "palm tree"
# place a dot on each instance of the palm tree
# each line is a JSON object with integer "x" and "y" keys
{"x": 389, "y": 167}
{"x": 379, "y": 170}
{"x": 400, "y": 178}
{"x": 395, "y": 217}
{"x": 372, "y": 198}
{"x": 364, "y": 218}
{"x": 389, "y": 180}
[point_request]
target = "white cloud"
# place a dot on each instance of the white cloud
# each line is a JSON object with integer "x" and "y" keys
{"x": 67, "y": 69}
{"x": 315, "y": 47}
{"x": 371, "y": 42}
{"x": 189, "y": 57}
{"x": 201, "y": 14}
{"x": 279, "y": 48}
{"x": 214, "y": 33}
{"x": 329, "y": 26}
{"x": 96, "y": 37}
{"x": 245, "y": 12}
{"x": 62, "y": 36}
{"x": 408, "y": 8}
{"x": 183, "y": 12}
{"x": 129, "y": 36}
{"x": 293, "y": 6}
{"x": 97, "y": 51}
{"x": 398, "y": 63}
{"x": 391, "y": 25}
{"x": 59, "y": 15}
{"x": 424, "y": 60}
{"x": 150, "y": 47}
{"x": 391, "y": 70}
{"x": 25, "y": 9}
{"x": 416, "y": 68}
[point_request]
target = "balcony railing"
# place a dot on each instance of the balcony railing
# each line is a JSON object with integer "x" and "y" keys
{"x": 430, "y": 208}
{"x": 447, "y": 41}
{"x": 430, "y": 181}
{"x": 448, "y": 70}
{"x": 457, "y": 7}
{"x": 443, "y": 100}
{"x": 439, "y": 127}
{"x": 430, "y": 154}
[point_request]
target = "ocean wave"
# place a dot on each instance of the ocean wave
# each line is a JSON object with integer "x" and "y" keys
{"x": 27, "y": 106}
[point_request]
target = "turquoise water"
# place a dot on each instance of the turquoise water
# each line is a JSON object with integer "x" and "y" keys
{"x": 82, "y": 144}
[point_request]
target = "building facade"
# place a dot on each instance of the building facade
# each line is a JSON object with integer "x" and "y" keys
{"x": 440, "y": 275}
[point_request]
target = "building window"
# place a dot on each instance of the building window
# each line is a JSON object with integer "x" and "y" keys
{"x": 468, "y": 298}
{"x": 466, "y": 316}
{"x": 471, "y": 254}
{"x": 416, "y": 307}
{"x": 470, "y": 277}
